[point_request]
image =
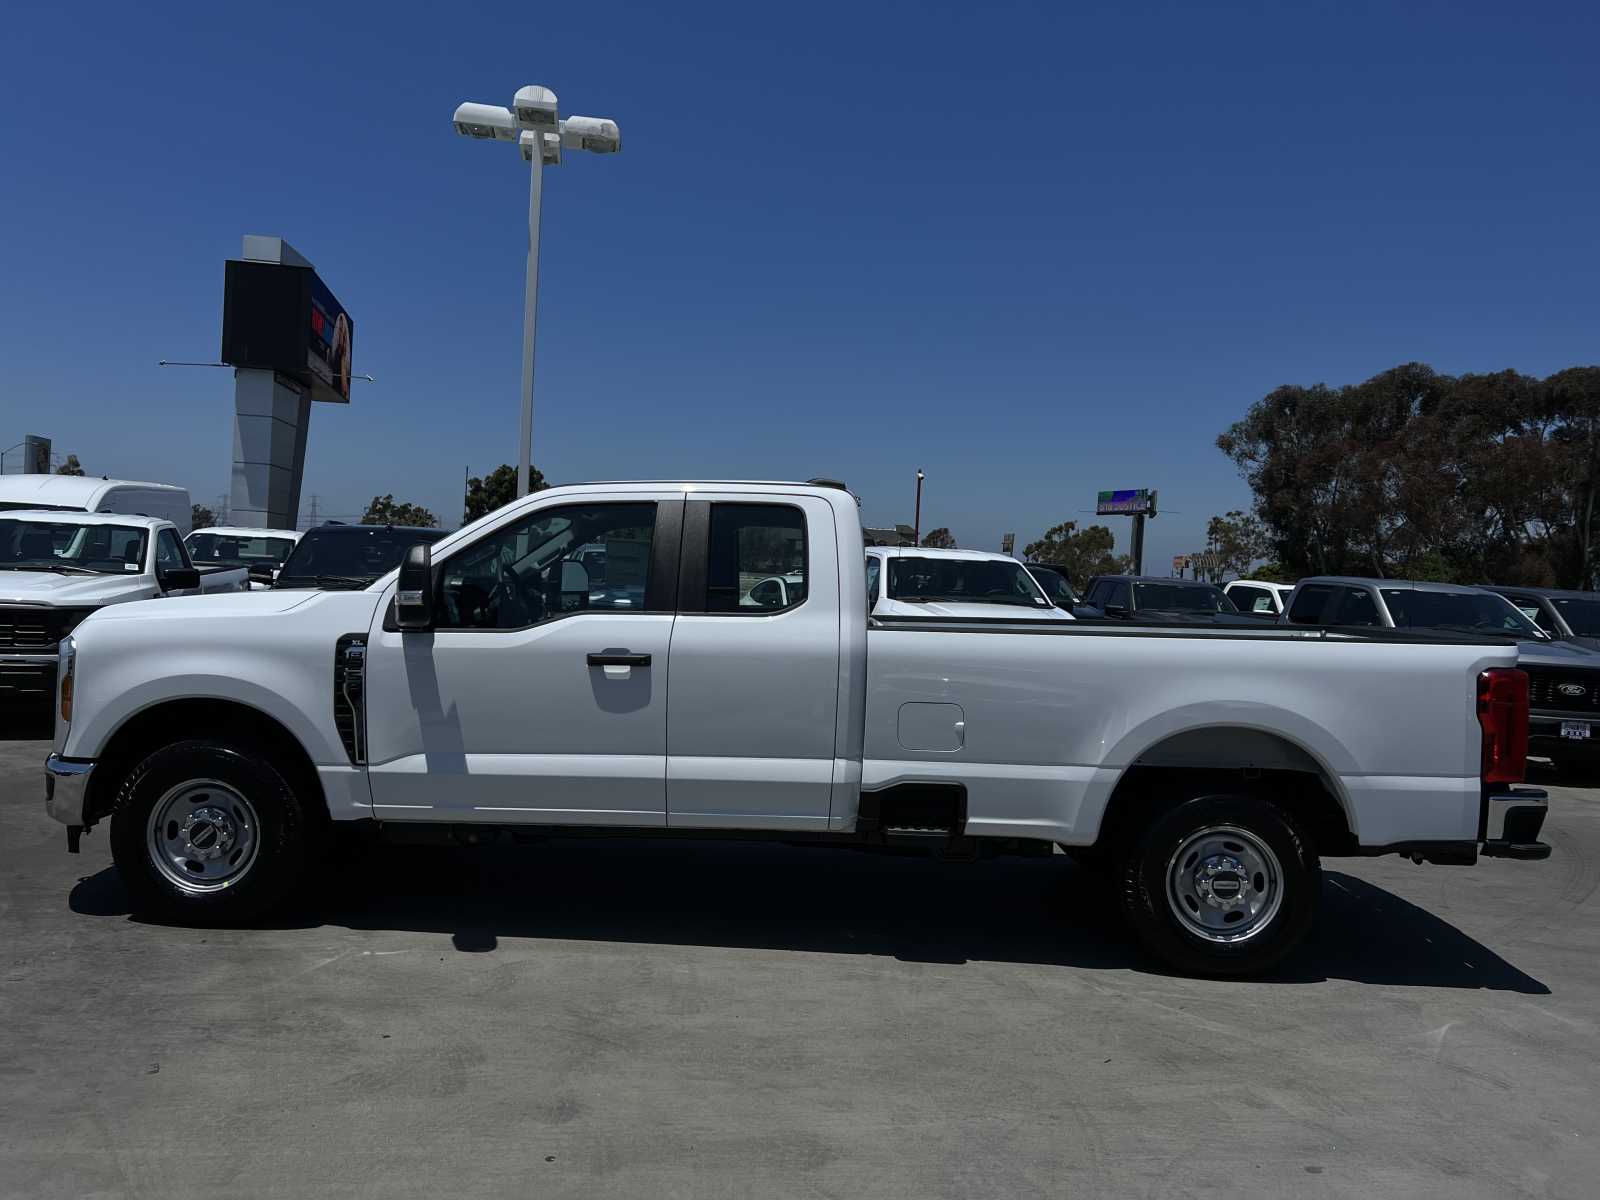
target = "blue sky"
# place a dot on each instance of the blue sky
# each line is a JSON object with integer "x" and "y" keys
{"x": 1036, "y": 250}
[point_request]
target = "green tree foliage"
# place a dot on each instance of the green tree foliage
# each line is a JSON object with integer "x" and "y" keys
{"x": 384, "y": 510}
{"x": 70, "y": 467}
{"x": 201, "y": 517}
{"x": 497, "y": 489}
{"x": 939, "y": 539}
{"x": 1239, "y": 541}
{"x": 1083, "y": 552}
{"x": 1468, "y": 478}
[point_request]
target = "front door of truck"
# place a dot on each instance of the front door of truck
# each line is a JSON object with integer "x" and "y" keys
{"x": 755, "y": 664}
{"x": 540, "y": 695}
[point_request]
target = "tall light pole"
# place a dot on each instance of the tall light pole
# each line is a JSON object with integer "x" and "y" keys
{"x": 916, "y": 520}
{"x": 534, "y": 123}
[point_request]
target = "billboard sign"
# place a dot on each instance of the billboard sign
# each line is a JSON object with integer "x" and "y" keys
{"x": 1129, "y": 502}
{"x": 283, "y": 318}
{"x": 36, "y": 454}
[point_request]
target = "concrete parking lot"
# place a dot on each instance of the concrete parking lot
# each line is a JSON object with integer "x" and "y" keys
{"x": 711, "y": 1019}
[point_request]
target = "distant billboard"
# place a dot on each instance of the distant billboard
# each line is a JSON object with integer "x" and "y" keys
{"x": 284, "y": 318}
{"x": 1134, "y": 502}
{"x": 36, "y": 454}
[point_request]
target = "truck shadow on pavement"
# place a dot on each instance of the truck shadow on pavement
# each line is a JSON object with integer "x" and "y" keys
{"x": 829, "y": 901}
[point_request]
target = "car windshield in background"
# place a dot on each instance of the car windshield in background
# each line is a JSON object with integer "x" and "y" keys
{"x": 1056, "y": 585}
{"x": 70, "y": 548}
{"x": 967, "y": 581}
{"x": 1582, "y": 615}
{"x": 349, "y": 556}
{"x": 1178, "y": 597}
{"x": 1469, "y": 611}
{"x": 238, "y": 550}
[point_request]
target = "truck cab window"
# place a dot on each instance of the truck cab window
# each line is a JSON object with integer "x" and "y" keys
{"x": 169, "y": 551}
{"x": 1308, "y": 604}
{"x": 1356, "y": 607}
{"x": 552, "y": 563}
{"x": 756, "y": 559}
{"x": 873, "y": 568}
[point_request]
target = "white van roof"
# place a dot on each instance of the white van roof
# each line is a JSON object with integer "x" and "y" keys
{"x": 68, "y": 491}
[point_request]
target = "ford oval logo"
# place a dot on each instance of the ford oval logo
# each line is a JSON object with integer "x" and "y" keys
{"x": 1572, "y": 689}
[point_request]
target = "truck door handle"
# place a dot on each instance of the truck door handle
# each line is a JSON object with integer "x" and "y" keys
{"x": 618, "y": 658}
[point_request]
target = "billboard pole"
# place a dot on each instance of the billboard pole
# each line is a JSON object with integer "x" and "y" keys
{"x": 1138, "y": 544}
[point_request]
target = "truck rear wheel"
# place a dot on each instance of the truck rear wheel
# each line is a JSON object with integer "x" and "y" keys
{"x": 1222, "y": 885}
{"x": 209, "y": 832}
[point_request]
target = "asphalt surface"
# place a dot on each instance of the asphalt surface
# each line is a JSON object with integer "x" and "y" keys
{"x": 720, "y": 1020}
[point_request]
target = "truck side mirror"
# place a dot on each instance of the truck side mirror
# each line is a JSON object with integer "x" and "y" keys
{"x": 413, "y": 598}
{"x": 178, "y": 579}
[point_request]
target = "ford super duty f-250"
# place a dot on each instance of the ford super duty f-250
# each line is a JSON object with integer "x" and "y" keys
{"x": 591, "y": 659}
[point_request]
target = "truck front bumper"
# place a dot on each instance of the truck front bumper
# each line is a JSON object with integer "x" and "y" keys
{"x": 1512, "y": 820}
{"x": 1545, "y": 740}
{"x": 66, "y": 790}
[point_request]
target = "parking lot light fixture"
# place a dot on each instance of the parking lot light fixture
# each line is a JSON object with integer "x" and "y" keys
{"x": 534, "y": 123}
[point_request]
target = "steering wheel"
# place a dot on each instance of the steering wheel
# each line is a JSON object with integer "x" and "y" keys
{"x": 510, "y": 603}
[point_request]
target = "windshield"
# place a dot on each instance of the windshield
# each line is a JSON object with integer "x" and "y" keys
{"x": 354, "y": 555}
{"x": 238, "y": 549}
{"x": 1582, "y": 615}
{"x": 1055, "y": 583}
{"x": 1457, "y": 610}
{"x": 1182, "y": 597}
{"x": 66, "y": 546}
{"x": 969, "y": 581}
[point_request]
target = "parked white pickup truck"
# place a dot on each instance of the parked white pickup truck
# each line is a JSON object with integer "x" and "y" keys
{"x": 488, "y": 689}
{"x": 57, "y": 567}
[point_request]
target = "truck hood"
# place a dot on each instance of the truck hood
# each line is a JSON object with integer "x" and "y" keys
{"x": 227, "y": 605}
{"x": 956, "y": 608}
{"x": 1556, "y": 654}
{"x": 58, "y": 590}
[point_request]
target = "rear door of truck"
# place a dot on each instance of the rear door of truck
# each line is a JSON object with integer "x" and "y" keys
{"x": 754, "y": 690}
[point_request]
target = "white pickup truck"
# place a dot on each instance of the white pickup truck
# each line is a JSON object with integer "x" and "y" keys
{"x": 490, "y": 689}
{"x": 58, "y": 566}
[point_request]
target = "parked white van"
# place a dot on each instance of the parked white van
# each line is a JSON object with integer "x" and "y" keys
{"x": 87, "y": 493}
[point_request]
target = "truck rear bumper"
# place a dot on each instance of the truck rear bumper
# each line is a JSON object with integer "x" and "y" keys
{"x": 66, "y": 790}
{"x": 1512, "y": 820}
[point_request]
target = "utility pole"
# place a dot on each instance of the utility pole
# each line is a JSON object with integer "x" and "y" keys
{"x": 311, "y": 519}
{"x": 916, "y": 520}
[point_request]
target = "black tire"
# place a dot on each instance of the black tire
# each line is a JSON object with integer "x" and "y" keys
{"x": 1153, "y": 908}
{"x": 282, "y": 829}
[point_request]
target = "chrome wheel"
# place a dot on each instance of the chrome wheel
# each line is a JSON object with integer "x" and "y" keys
{"x": 203, "y": 835}
{"x": 1224, "y": 884}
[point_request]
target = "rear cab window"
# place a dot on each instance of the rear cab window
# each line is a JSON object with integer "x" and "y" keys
{"x": 756, "y": 559}
{"x": 1309, "y": 603}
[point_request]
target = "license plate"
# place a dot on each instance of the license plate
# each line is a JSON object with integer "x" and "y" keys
{"x": 1577, "y": 730}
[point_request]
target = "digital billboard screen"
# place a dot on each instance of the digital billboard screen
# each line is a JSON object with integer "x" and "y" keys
{"x": 330, "y": 340}
{"x": 1127, "y": 502}
{"x": 284, "y": 319}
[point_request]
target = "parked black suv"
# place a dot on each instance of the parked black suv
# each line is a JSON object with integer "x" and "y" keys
{"x": 348, "y": 557}
{"x": 1160, "y": 601}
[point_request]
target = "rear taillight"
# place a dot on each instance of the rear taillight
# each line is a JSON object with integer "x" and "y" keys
{"x": 1503, "y": 713}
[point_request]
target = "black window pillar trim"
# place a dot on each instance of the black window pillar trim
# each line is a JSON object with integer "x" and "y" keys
{"x": 692, "y": 564}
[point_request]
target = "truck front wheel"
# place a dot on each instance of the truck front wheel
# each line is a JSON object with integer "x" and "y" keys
{"x": 206, "y": 832}
{"x": 1222, "y": 885}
